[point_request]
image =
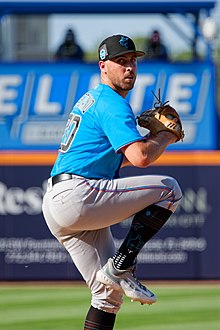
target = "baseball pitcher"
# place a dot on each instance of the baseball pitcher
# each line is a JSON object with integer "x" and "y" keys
{"x": 86, "y": 195}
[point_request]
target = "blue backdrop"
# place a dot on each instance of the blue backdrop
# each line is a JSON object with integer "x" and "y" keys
{"x": 35, "y": 100}
{"x": 186, "y": 248}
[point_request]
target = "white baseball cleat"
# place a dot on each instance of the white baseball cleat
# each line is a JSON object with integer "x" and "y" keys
{"x": 124, "y": 281}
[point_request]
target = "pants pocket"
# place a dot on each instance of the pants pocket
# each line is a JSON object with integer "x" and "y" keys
{"x": 63, "y": 197}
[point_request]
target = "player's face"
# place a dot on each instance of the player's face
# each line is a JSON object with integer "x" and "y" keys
{"x": 120, "y": 73}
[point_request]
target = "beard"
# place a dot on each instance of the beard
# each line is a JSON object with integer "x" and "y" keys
{"x": 125, "y": 85}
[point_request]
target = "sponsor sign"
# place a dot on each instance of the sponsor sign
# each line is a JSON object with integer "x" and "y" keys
{"x": 185, "y": 248}
{"x": 35, "y": 100}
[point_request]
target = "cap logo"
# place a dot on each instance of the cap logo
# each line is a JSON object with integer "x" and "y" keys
{"x": 103, "y": 52}
{"x": 124, "y": 41}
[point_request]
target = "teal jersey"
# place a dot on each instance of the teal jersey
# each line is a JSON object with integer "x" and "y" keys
{"x": 99, "y": 125}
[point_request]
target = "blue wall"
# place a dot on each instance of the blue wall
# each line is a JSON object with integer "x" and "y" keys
{"x": 35, "y": 100}
{"x": 184, "y": 249}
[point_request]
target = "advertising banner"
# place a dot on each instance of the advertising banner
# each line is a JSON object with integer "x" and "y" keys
{"x": 35, "y": 100}
{"x": 185, "y": 248}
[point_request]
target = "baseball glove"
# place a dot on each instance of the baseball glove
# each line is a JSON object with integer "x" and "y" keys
{"x": 162, "y": 117}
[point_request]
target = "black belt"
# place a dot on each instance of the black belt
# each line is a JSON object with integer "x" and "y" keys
{"x": 61, "y": 177}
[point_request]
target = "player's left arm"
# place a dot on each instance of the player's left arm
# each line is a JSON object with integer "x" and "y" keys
{"x": 143, "y": 153}
{"x": 125, "y": 162}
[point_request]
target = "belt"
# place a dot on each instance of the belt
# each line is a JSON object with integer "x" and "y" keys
{"x": 61, "y": 177}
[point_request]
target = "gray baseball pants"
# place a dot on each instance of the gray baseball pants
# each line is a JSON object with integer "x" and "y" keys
{"x": 80, "y": 211}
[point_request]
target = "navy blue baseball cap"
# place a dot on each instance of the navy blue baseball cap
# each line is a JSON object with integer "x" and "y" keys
{"x": 117, "y": 45}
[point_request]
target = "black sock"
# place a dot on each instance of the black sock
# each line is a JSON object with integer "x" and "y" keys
{"x": 97, "y": 319}
{"x": 145, "y": 225}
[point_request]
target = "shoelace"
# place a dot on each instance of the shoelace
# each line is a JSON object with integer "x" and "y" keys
{"x": 139, "y": 284}
{"x": 133, "y": 271}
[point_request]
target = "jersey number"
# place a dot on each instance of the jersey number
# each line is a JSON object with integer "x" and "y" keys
{"x": 70, "y": 132}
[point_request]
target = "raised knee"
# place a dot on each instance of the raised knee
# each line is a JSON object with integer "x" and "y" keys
{"x": 171, "y": 195}
{"x": 175, "y": 188}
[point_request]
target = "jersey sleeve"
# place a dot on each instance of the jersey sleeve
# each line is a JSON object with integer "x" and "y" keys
{"x": 118, "y": 122}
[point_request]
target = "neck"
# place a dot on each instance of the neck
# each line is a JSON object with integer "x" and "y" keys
{"x": 118, "y": 90}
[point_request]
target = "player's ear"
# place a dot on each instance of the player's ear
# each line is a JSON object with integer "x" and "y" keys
{"x": 102, "y": 65}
